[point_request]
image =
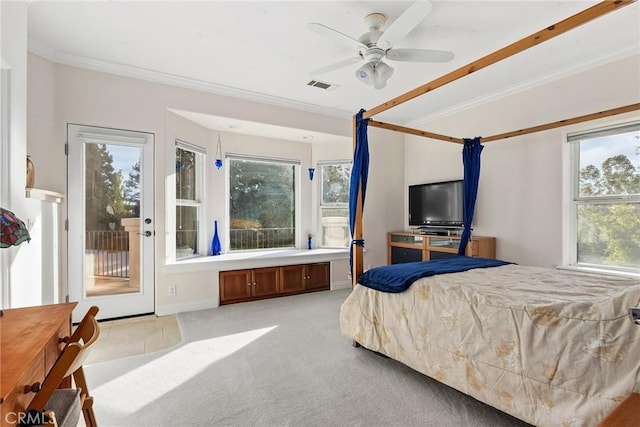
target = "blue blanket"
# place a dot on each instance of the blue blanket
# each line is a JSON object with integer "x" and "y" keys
{"x": 398, "y": 277}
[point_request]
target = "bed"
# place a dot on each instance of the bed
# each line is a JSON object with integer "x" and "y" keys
{"x": 547, "y": 346}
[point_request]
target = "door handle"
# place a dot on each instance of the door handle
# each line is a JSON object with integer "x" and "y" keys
{"x": 146, "y": 234}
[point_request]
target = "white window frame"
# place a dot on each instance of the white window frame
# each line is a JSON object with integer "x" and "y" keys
{"x": 297, "y": 198}
{"x": 573, "y": 200}
{"x": 198, "y": 203}
{"x": 322, "y": 206}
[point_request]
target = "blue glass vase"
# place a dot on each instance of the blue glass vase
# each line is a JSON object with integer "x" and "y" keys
{"x": 216, "y": 248}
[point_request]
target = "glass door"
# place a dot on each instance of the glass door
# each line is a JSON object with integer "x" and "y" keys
{"x": 111, "y": 225}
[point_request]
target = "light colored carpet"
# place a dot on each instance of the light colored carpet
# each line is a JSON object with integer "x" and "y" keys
{"x": 277, "y": 362}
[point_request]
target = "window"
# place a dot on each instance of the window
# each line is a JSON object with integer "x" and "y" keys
{"x": 334, "y": 204}
{"x": 262, "y": 203}
{"x": 189, "y": 182}
{"x": 606, "y": 198}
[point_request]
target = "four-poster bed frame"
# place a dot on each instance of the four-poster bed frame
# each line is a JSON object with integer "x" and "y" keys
{"x": 360, "y": 316}
{"x": 521, "y": 45}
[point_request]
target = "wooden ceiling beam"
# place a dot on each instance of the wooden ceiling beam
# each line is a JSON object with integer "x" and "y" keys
{"x": 548, "y": 33}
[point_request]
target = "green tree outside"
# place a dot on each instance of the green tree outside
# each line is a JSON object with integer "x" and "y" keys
{"x": 263, "y": 194}
{"x": 609, "y": 233}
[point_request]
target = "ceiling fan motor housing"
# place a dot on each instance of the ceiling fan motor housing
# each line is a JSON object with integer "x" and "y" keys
{"x": 373, "y": 55}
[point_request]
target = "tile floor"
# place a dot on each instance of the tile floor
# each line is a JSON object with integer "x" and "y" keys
{"x": 137, "y": 335}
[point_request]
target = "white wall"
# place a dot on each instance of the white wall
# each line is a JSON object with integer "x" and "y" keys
{"x": 520, "y": 196}
{"x": 521, "y": 186}
{"x": 99, "y": 99}
{"x": 20, "y": 283}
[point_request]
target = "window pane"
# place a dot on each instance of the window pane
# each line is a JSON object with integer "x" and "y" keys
{"x": 185, "y": 174}
{"x": 335, "y": 227}
{"x": 186, "y": 231}
{"x": 335, "y": 183}
{"x": 261, "y": 204}
{"x": 609, "y": 234}
{"x": 610, "y": 165}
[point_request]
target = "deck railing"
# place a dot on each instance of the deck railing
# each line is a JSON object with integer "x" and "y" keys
{"x": 261, "y": 238}
{"x": 107, "y": 253}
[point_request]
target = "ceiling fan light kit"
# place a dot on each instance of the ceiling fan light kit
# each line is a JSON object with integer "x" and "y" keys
{"x": 374, "y": 75}
{"x": 376, "y": 45}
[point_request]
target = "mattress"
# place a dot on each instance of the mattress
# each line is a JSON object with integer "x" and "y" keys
{"x": 547, "y": 346}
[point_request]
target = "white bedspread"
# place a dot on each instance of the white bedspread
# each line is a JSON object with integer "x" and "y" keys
{"x": 552, "y": 348}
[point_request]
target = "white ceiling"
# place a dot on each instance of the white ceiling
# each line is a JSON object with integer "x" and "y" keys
{"x": 263, "y": 50}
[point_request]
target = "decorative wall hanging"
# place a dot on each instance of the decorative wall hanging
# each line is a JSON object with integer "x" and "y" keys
{"x": 218, "y": 162}
{"x": 311, "y": 172}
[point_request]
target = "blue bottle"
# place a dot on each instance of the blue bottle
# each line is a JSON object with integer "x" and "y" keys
{"x": 216, "y": 248}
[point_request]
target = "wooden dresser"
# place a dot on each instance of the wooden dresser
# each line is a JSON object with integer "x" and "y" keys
{"x": 30, "y": 342}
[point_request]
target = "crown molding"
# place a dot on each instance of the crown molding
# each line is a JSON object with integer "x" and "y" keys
{"x": 521, "y": 87}
{"x": 88, "y": 63}
{"x": 79, "y": 61}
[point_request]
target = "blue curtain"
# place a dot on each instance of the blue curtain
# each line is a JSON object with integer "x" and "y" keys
{"x": 359, "y": 174}
{"x": 471, "y": 161}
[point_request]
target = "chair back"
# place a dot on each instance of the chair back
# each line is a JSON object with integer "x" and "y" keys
{"x": 70, "y": 360}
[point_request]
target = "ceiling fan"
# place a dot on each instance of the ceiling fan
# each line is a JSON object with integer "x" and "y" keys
{"x": 376, "y": 45}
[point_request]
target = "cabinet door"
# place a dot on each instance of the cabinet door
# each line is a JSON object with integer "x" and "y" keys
{"x": 235, "y": 285}
{"x": 293, "y": 278}
{"x": 317, "y": 276}
{"x": 266, "y": 281}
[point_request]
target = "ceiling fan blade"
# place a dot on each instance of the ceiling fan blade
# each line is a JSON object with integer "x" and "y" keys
{"x": 419, "y": 55}
{"x": 336, "y": 35}
{"x": 335, "y": 66}
{"x": 415, "y": 14}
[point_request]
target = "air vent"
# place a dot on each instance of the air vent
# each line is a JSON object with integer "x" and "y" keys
{"x": 322, "y": 85}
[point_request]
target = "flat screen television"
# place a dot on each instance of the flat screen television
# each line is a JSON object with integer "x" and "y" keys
{"x": 436, "y": 204}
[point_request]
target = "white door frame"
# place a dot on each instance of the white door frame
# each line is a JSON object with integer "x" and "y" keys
{"x": 120, "y": 305}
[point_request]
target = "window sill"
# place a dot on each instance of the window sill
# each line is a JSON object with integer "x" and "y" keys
{"x": 241, "y": 260}
{"x": 593, "y": 270}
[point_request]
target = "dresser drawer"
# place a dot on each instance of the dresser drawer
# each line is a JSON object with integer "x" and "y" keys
{"x": 18, "y": 399}
{"x": 54, "y": 347}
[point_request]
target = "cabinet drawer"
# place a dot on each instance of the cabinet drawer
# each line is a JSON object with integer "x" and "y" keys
{"x": 54, "y": 347}
{"x": 18, "y": 399}
{"x": 400, "y": 255}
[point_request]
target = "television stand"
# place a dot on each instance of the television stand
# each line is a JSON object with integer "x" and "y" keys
{"x": 410, "y": 247}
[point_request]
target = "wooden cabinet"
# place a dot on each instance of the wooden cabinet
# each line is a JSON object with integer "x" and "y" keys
{"x": 317, "y": 276}
{"x": 31, "y": 342}
{"x": 243, "y": 285}
{"x": 409, "y": 247}
{"x": 294, "y": 278}
{"x": 269, "y": 282}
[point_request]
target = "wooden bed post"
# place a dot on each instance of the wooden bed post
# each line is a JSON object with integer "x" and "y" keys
{"x": 358, "y": 252}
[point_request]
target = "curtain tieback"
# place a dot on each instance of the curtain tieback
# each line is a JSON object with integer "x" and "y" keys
{"x": 357, "y": 242}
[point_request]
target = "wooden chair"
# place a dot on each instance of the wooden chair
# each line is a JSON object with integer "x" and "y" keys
{"x": 49, "y": 397}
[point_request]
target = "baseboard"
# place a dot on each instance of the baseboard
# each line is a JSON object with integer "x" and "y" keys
{"x": 168, "y": 309}
{"x": 345, "y": 284}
